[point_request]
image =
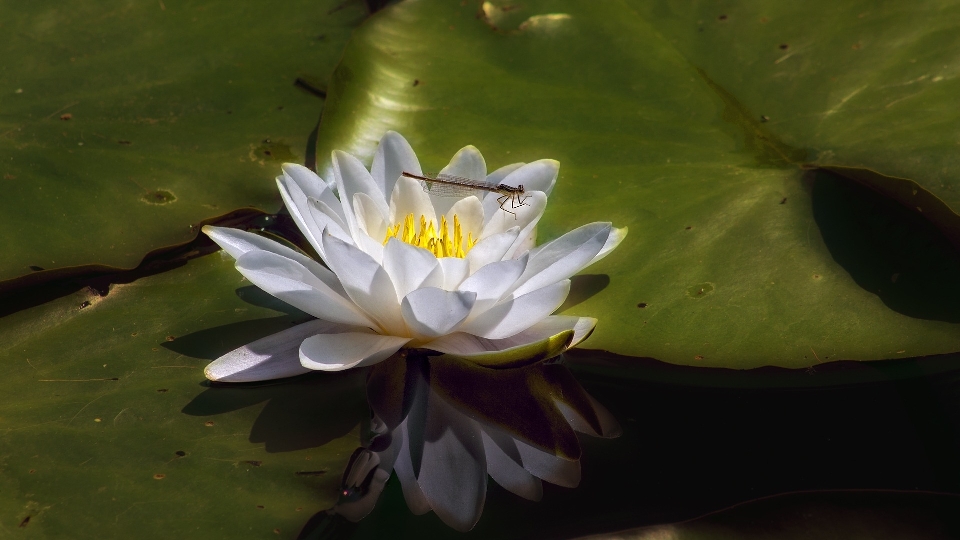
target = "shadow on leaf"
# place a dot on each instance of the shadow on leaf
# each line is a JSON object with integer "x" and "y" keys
{"x": 888, "y": 249}
{"x": 301, "y": 412}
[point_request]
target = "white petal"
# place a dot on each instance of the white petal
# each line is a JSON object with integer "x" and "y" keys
{"x": 410, "y": 267}
{"x": 352, "y": 178}
{"x": 537, "y": 176}
{"x": 553, "y": 469}
{"x": 497, "y": 176}
{"x": 453, "y": 472}
{"x": 582, "y": 328}
{"x": 409, "y": 198}
{"x": 367, "y": 284}
{"x": 563, "y": 257}
{"x": 503, "y": 465}
{"x": 467, "y": 163}
{"x": 369, "y": 219}
{"x": 469, "y": 212}
{"x": 492, "y": 281}
{"x": 463, "y": 344}
{"x": 333, "y": 212}
{"x": 526, "y": 244}
{"x": 616, "y": 236}
{"x": 455, "y": 270}
{"x": 291, "y": 282}
{"x": 299, "y": 207}
{"x": 322, "y": 221}
{"x": 491, "y": 249}
{"x": 432, "y": 312}
{"x": 394, "y": 156}
{"x": 311, "y": 184}
{"x": 527, "y": 217}
{"x": 273, "y": 357}
{"x": 515, "y": 315}
{"x": 237, "y": 242}
{"x": 336, "y": 352}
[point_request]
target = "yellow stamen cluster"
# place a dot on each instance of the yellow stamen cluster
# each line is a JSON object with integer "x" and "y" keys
{"x": 438, "y": 240}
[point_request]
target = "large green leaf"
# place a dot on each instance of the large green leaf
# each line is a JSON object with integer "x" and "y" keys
{"x": 107, "y": 431}
{"x": 733, "y": 245}
{"x": 124, "y": 123}
{"x": 860, "y": 84}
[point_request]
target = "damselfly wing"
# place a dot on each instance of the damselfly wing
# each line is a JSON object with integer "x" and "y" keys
{"x": 448, "y": 185}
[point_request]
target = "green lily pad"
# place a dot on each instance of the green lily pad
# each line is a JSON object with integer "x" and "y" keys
{"x": 124, "y": 124}
{"x": 861, "y": 85}
{"x": 109, "y": 432}
{"x": 716, "y": 201}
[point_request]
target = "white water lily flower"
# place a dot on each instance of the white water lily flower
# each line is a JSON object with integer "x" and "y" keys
{"x": 404, "y": 269}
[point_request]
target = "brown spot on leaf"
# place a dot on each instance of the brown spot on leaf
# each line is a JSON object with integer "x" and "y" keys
{"x": 66, "y": 116}
{"x": 159, "y": 476}
{"x": 208, "y": 423}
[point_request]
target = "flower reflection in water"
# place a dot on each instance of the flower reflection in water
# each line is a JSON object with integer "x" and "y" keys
{"x": 443, "y": 424}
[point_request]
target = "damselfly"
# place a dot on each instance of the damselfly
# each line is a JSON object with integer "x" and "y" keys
{"x": 448, "y": 185}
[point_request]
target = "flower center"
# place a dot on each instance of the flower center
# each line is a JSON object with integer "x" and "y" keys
{"x": 438, "y": 240}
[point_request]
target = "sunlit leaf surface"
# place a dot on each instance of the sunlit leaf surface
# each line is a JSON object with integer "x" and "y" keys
{"x": 124, "y": 123}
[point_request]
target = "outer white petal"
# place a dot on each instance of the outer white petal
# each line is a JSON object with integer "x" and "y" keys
{"x": 455, "y": 270}
{"x": 291, "y": 282}
{"x": 367, "y": 284}
{"x": 336, "y": 352}
{"x": 497, "y": 176}
{"x": 332, "y": 212}
{"x": 236, "y": 242}
{"x": 322, "y": 220}
{"x": 563, "y": 257}
{"x": 527, "y": 218}
{"x": 453, "y": 471}
{"x": 491, "y": 249}
{"x": 518, "y": 313}
{"x": 273, "y": 357}
{"x": 539, "y": 175}
{"x": 352, "y": 178}
{"x": 492, "y": 281}
{"x": 616, "y": 236}
{"x": 503, "y": 465}
{"x": 467, "y": 163}
{"x": 460, "y": 343}
{"x": 408, "y": 197}
{"x": 311, "y": 184}
{"x": 410, "y": 267}
{"x": 394, "y": 156}
{"x": 432, "y": 312}
{"x": 299, "y": 207}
